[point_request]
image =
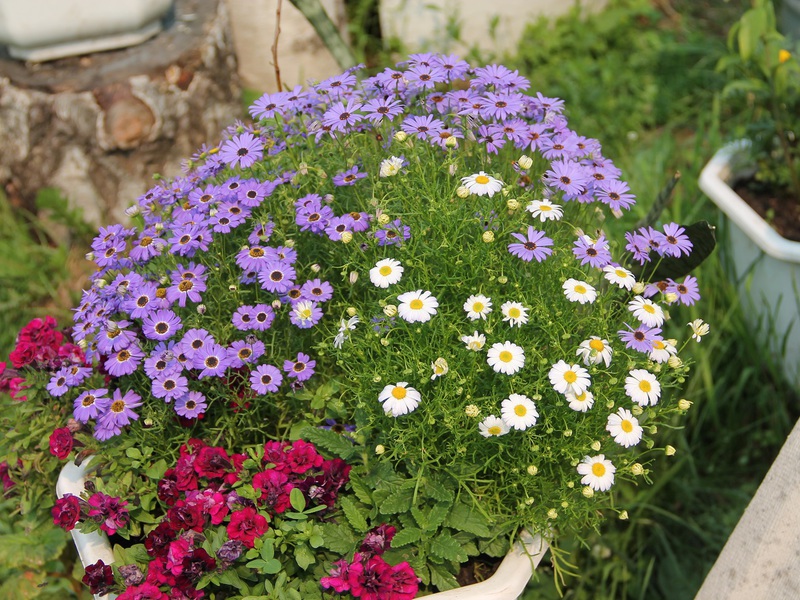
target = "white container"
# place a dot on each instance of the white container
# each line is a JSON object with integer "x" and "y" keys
{"x": 764, "y": 265}
{"x": 507, "y": 583}
{"x": 40, "y": 30}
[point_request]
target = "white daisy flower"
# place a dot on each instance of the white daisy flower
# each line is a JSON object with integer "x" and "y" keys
{"x": 598, "y": 473}
{"x": 440, "y": 367}
{"x": 580, "y": 402}
{"x": 579, "y": 291}
{"x": 569, "y": 378}
{"x": 507, "y": 358}
{"x": 662, "y": 351}
{"x": 594, "y": 351}
{"x": 478, "y": 306}
{"x": 399, "y": 399}
{"x": 624, "y": 428}
{"x": 545, "y": 210}
{"x": 345, "y": 327}
{"x": 519, "y": 411}
{"x": 493, "y": 426}
{"x": 647, "y": 311}
{"x": 391, "y": 166}
{"x": 514, "y": 313}
{"x": 699, "y": 329}
{"x": 619, "y": 276}
{"x": 474, "y": 342}
{"x": 482, "y": 184}
{"x": 386, "y": 272}
{"x": 642, "y": 387}
{"x": 417, "y": 307}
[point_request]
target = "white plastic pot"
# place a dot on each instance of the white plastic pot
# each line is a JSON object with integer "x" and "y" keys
{"x": 40, "y": 30}
{"x": 507, "y": 583}
{"x": 764, "y": 265}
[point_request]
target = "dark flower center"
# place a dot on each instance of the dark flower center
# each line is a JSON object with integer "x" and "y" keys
{"x": 276, "y": 276}
{"x": 169, "y": 384}
{"x": 206, "y": 198}
{"x": 197, "y": 344}
{"x": 314, "y": 217}
{"x": 529, "y": 246}
{"x": 162, "y": 327}
{"x": 123, "y": 356}
{"x": 565, "y": 180}
{"x": 190, "y": 405}
{"x": 261, "y": 317}
{"x": 299, "y": 367}
{"x": 591, "y": 252}
{"x": 142, "y": 301}
{"x": 185, "y": 285}
{"x": 638, "y": 336}
{"x": 145, "y": 241}
{"x": 212, "y": 361}
{"x": 242, "y": 151}
{"x": 185, "y": 239}
{"x": 88, "y": 401}
{"x": 344, "y": 116}
{"x": 256, "y": 252}
{"x": 117, "y": 406}
{"x": 266, "y": 379}
{"x": 245, "y": 353}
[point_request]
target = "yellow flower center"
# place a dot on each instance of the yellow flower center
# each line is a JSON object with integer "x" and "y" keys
{"x": 579, "y": 289}
{"x": 505, "y": 356}
{"x": 305, "y": 313}
{"x": 598, "y": 469}
{"x": 626, "y": 426}
{"x": 581, "y": 397}
{"x": 416, "y": 304}
{"x": 620, "y": 273}
{"x": 494, "y": 430}
{"x": 597, "y": 345}
{"x": 545, "y": 207}
{"x": 399, "y": 392}
{"x": 570, "y": 377}
{"x": 645, "y": 386}
{"x": 117, "y": 406}
{"x": 482, "y": 179}
{"x": 477, "y": 307}
{"x": 658, "y": 345}
{"x": 514, "y": 313}
{"x": 649, "y": 308}
{"x": 385, "y": 270}
{"x": 520, "y": 410}
{"x": 784, "y": 55}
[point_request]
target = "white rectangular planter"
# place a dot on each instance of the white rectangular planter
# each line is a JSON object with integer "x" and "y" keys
{"x": 507, "y": 583}
{"x": 764, "y": 265}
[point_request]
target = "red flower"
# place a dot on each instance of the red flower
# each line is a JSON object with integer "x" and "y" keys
{"x": 338, "y": 577}
{"x": 275, "y": 453}
{"x": 167, "y": 488}
{"x": 246, "y": 525}
{"x": 99, "y": 577}
{"x": 404, "y": 582}
{"x": 274, "y": 489}
{"x": 157, "y": 541}
{"x": 378, "y": 540}
{"x": 371, "y": 579}
{"x": 109, "y": 511}
{"x": 61, "y": 443}
{"x": 195, "y": 564}
{"x": 67, "y": 512}
{"x": 212, "y": 463}
{"x": 302, "y": 457}
{"x": 186, "y": 516}
{"x": 145, "y": 591}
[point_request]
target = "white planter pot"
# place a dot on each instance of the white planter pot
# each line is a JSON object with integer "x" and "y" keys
{"x": 507, "y": 583}
{"x": 764, "y": 265}
{"x": 40, "y": 30}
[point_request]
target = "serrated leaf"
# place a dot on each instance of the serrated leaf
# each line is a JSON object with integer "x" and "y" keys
{"x": 465, "y": 518}
{"x": 444, "y": 546}
{"x": 331, "y": 441}
{"x": 442, "y": 578}
{"x": 436, "y": 516}
{"x": 406, "y": 536}
{"x": 438, "y": 491}
{"x": 420, "y": 517}
{"x": 398, "y": 502}
{"x": 354, "y": 516}
{"x": 495, "y": 547}
{"x": 361, "y": 491}
{"x": 339, "y": 538}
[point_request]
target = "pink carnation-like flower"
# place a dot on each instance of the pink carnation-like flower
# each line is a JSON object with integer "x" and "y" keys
{"x": 246, "y": 525}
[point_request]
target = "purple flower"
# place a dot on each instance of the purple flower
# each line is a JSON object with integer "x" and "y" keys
{"x": 261, "y": 233}
{"x": 655, "y": 239}
{"x": 561, "y": 146}
{"x": 170, "y": 386}
{"x": 301, "y": 368}
{"x": 349, "y": 177}
{"x": 253, "y": 258}
{"x": 382, "y": 108}
{"x": 317, "y": 290}
{"x": 76, "y": 374}
{"x": 241, "y": 352}
{"x": 58, "y": 383}
{"x": 186, "y": 289}
{"x": 688, "y": 292}
{"x": 203, "y": 199}
{"x": 161, "y": 324}
{"x": 266, "y": 379}
{"x": 676, "y": 242}
{"x": 615, "y": 193}
{"x": 120, "y": 410}
{"x": 393, "y": 234}
{"x": 243, "y": 318}
{"x": 640, "y": 339}
{"x": 212, "y": 359}
{"x": 337, "y": 226}
{"x": 492, "y": 137}
{"x": 595, "y": 254}
{"x": 638, "y": 246}
{"x": 114, "y": 337}
{"x": 194, "y": 341}
{"x": 124, "y": 362}
{"x": 191, "y": 405}
{"x": 533, "y": 245}
{"x": 146, "y": 246}
{"x": 502, "y": 106}
{"x": 266, "y": 106}
{"x": 568, "y": 177}
{"x": 498, "y": 76}
{"x": 342, "y": 116}
{"x": 228, "y": 217}
{"x": 314, "y": 217}
{"x": 263, "y": 317}
{"x": 422, "y": 127}
{"x": 253, "y": 192}
{"x": 187, "y": 239}
{"x": 141, "y": 301}
{"x": 242, "y": 150}
{"x": 277, "y": 277}
{"x": 90, "y": 404}
{"x": 453, "y": 66}
{"x": 162, "y": 361}
{"x": 360, "y": 221}
{"x": 424, "y": 77}
{"x": 305, "y": 314}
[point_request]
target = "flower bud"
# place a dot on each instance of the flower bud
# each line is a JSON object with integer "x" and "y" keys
{"x": 684, "y": 404}
{"x": 159, "y": 226}
{"x": 451, "y": 142}
{"x": 353, "y": 277}
{"x": 452, "y": 169}
{"x": 552, "y": 513}
{"x": 462, "y": 191}
{"x": 89, "y": 256}
{"x": 637, "y": 469}
{"x": 400, "y": 136}
{"x": 623, "y": 516}
{"x": 384, "y": 342}
{"x": 670, "y": 297}
{"x": 638, "y": 287}
{"x": 231, "y": 288}
{"x": 512, "y": 204}
{"x": 502, "y": 280}
{"x": 276, "y": 304}
{"x": 384, "y": 219}
{"x": 783, "y": 55}
{"x": 316, "y": 268}
{"x": 532, "y": 469}
{"x": 636, "y": 410}
{"x": 347, "y": 237}
{"x": 525, "y": 161}
{"x": 472, "y": 411}
{"x": 201, "y": 309}
{"x": 529, "y": 501}
{"x": 670, "y": 451}
{"x": 133, "y": 210}
{"x": 587, "y": 491}
{"x": 596, "y": 446}
{"x": 488, "y": 236}
{"x": 675, "y": 362}
{"x": 379, "y": 449}
{"x": 567, "y": 433}
{"x": 351, "y": 311}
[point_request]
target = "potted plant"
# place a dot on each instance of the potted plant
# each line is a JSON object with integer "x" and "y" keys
{"x": 756, "y": 182}
{"x": 379, "y": 332}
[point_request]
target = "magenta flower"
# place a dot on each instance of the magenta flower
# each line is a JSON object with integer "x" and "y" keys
{"x": 246, "y": 525}
{"x": 532, "y": 245}
{"x": 108, "y": 511}
{"x": 67, "y": 512}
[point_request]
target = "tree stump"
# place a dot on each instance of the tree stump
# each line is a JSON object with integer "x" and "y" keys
{"x": 99, "y": 126}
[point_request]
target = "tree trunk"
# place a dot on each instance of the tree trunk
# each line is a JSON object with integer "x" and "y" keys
{"x": 98, "y": 127}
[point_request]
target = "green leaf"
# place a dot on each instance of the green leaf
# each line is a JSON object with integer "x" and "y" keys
{"x": 133, "y": 453}
{"x": 442, "y": 578}
{"x": 406, "y": 536}
{"x": 267, "y": 549}
{"x": 339, "y": 538}
{"x": 353, "y": 515}
{"x": 361, "y": 490}
{"x": 304, "y": 556}
{"x": 18, "y": 550}
{"x": 495, "y": 547}
{"x": 437, "y": 515}
{"x": 438, "y": 491}
{"x": 444, "y": 546}
{"x": 271, "y": 566}
{"x": 297, "y": 500}
{"x": 157, "y": 470}
{"x": 331, "y": 441}
{"x": 465, "y": 518}
{"x": 398, "y": 502}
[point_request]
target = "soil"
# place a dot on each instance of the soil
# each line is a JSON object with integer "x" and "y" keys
{"x": 477, "y": 569}
{"x": 777, "y": 207}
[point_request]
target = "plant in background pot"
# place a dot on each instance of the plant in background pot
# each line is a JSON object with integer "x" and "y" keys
{"x": 379, "y": 332}
{"x": 756, "y": 181}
